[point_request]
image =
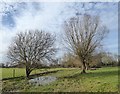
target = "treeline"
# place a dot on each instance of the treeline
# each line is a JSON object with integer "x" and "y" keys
{"x": 97, "y": 61}
{"x": 71, "y": 61}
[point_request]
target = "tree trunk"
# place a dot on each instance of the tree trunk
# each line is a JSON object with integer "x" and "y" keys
{"x": 87, "y": 66}
{"x": 83, "y": 68}
{"x": 27, "y": 72}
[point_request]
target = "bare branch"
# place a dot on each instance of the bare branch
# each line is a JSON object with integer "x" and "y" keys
{"x": 31, "y": 48}
{"x": 84, "y": 35}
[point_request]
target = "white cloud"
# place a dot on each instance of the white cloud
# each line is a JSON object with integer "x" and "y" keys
{"x": 30, "y": 19}
{"x": 61, "y": 0}
{"x": 49, "y": 18}
{"x": 40, "y": 19}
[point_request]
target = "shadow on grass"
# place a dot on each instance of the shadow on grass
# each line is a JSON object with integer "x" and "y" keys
{"x": 103, "y": 73}
{"x": 31, "y": 76}
{"x": 94, "y": 74}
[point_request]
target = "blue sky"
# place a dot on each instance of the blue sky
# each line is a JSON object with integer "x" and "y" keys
{"x": 50, "y": 17}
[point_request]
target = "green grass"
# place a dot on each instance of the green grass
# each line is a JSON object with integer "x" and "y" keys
{"x": 8, "y": 72}
{"x": 70, "y": 80}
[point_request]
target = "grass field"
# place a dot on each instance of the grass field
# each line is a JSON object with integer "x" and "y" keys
{"x": 17, "y": 72}
{"x": 68, "y": 80}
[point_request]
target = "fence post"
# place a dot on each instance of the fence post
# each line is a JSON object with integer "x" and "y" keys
{"x": 13, "y": 73}
{"x": 35, "y": 71}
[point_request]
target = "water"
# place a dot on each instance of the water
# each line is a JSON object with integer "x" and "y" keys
{"x": 42, "y": 80}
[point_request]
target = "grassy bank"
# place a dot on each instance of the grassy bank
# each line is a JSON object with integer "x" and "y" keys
{"x": 70, "y": 80}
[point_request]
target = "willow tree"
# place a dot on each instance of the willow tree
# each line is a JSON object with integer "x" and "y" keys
{"x": 83, "y": 35}
{"x": 30, "y": 48}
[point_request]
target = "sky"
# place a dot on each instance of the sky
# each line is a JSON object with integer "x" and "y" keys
{"x": 49, "y": 16}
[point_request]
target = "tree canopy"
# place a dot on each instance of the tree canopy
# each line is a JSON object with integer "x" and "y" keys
{"x": 32, "y": 47}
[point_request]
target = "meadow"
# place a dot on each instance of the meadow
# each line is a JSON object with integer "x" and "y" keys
{"x": 18, "y": 72}
{"x": 68, "y": 80}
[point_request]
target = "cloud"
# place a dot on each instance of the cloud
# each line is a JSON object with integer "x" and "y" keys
{"x": 49, "y": 17}
{"x": 41, "y": 16}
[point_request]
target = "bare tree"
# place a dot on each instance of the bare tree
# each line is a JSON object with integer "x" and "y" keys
{"x": 31, "y": 48}
{"x": 83, "y": 36}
